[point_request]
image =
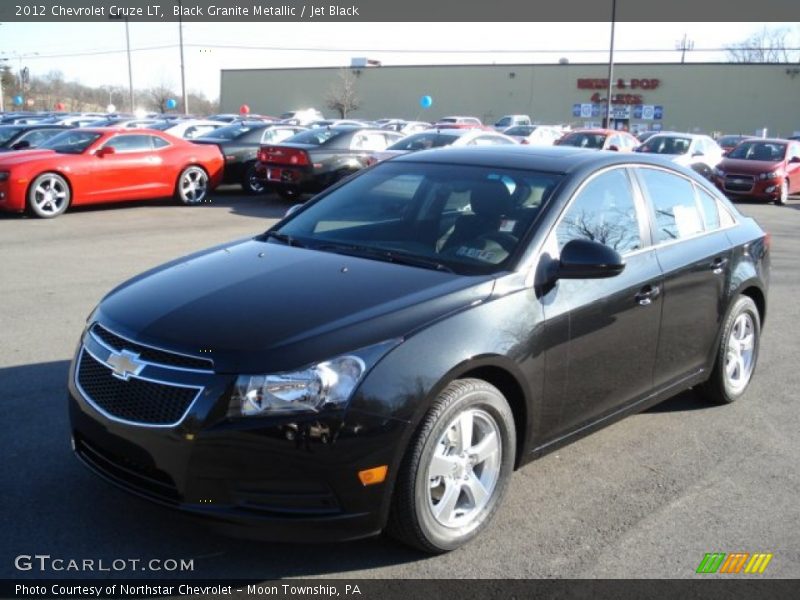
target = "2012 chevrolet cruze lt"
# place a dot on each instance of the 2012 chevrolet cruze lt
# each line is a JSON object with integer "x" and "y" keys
{"x": 385, "y": 356}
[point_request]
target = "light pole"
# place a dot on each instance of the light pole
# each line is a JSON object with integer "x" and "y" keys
{"x": 130, "y": 69}
{"x": 611, "y": 63}
{"x": 128, "y": 51}
{"x": 2, "y": 101}
{"x": 183, "y": 72}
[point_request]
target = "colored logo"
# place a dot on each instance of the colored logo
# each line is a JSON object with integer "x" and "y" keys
{"x": 736, "y": 562}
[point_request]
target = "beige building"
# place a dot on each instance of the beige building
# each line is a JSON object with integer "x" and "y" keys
{"x": 718, "y": 97}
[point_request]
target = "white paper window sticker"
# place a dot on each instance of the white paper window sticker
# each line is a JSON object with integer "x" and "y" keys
{"x": 687, "y": 220}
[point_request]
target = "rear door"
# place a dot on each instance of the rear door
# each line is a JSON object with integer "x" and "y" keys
{"x": 694, "y": 254}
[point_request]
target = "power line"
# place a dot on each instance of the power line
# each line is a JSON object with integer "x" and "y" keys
{"x": 387, "y": 50}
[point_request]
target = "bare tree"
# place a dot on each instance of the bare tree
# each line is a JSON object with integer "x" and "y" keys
{"x": 342, "y": 96}
{"x": 765, "y": 46}
{"x": 159, "y": 96}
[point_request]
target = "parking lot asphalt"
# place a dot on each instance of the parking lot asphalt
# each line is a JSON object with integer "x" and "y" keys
{"x": 646, "y": 497}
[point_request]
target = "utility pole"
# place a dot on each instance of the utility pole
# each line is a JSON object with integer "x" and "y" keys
{"x": 684, "y": 45}
{"x": 130, "y": 69}
{"x": 183, "y": 71}
{"x": 611, "y": 63}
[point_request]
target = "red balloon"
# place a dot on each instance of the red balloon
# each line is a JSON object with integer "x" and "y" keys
{"x": 60, "y": 106}
{"x": 244, "y": 109}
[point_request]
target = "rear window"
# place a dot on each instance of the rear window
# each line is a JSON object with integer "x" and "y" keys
{"x": 584, "y": 140}
{"x": 316, "y": 137}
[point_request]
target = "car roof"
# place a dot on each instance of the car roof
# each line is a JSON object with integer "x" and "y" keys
{"x": 551, "y": 159}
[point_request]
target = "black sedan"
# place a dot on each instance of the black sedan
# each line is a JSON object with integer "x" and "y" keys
{"x": 316, "y": 159}
{"x": 386, "y": 355}
{"x": 22, "y": 137}
{"x": 239, "y": 144}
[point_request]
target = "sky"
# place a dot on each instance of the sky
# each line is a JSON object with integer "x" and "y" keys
{"x": 94, "y": 53}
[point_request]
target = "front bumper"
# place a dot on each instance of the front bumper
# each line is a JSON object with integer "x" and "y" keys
{"x": 279, "y": 478}
{"x": 761, "y": 189}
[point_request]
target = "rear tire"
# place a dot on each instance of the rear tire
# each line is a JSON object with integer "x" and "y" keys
{"x": 192, "y": 186}
{"x": 737, "y": 353}
{"x": 456, "y": 469}
{"x": 49, "y": 195}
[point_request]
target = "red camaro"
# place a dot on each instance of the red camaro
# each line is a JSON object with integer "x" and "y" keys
{"x": 93, "y": 165}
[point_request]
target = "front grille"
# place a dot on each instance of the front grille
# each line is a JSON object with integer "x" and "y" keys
{"x": 739, "y": 183}
{"x": 128, "y": 472}
{"x": 154, "y": 355}
{"x": 134, "y": 400}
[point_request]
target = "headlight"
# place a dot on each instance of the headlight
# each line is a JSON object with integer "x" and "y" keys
{"x": 327, "y": 384}
{"x": 4, "y": 175}
{"x": 770, "y": 175}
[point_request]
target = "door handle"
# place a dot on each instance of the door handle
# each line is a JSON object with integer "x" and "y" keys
{"x": 718, "y": 264}
{"x": 647, "y": 294}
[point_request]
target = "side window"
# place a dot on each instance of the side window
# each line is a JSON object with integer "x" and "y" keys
{"x": 708, "y": 209}
{"x": 130, "y": 143}
{"x": 674, "y": 204}
{"x": 158, "y": 142}
{"x": 614, "y": 141}
{"x": 603, "y": 211}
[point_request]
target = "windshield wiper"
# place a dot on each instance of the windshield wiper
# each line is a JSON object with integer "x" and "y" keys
{"x": 282, "y": 237}
{"x": 385, "y": 255}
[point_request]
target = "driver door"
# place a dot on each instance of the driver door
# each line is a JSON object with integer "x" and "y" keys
{"x": 602, "y": 334}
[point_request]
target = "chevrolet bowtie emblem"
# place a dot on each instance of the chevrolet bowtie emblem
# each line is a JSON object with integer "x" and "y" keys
{"x": 124, "y": 364}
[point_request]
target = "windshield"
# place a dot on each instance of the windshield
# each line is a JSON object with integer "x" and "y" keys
{"x": 71, "y": 142}
{"x": 458, "y": 218}
{"x": 6, "y": 133}
{"x": 666, "y": 145}
{"x": 504, "y": 122}
{"x": 423, "y": 141}
{"x": 525, "y": 130}
{"x": 583, "y": 139}
{"x": 768, "y": 151}
{"x": 316, "y": 136}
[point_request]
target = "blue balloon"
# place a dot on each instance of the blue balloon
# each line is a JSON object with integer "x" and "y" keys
{"x": 171, "y": 103}
{"x": 426, "y": 102}
{"x": 18, "y": 100}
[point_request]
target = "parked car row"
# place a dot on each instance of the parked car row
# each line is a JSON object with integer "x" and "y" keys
{"x": 278, "y": 154}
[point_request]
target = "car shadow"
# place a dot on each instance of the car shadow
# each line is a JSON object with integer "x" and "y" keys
{"x": 61, "y": 509}
{"x": 685, "y": 401}
{"x": 268, "y": 205}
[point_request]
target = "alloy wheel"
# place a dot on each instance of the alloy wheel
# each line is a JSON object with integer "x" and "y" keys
{"x": 193, "y": 185}
{"x": 740, "y": 353}
{"x": 464, "y": 469}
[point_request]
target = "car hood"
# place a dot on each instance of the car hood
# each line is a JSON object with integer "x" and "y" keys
{"x": 14, "y": 157}
{"x": 255, "y": 307}
{"x": 749, "y": 167}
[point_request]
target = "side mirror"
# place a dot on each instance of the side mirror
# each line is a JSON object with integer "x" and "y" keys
{"x": 292, "y": 209}
{"x": 105, "y": 151}
{"x": 585, "y": 259}
{"x": 21, "y": 145}
{"x": 795, "y": 159}
{"x": 614, "y": 148}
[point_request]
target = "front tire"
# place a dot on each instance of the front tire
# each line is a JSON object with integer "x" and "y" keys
{"x": 456, "y": 469}
{"x": 192, "y": 186}
{"x": 783, "y": 195}
{"x": 737, "y": 353}
{"x": 49, "y": 195}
